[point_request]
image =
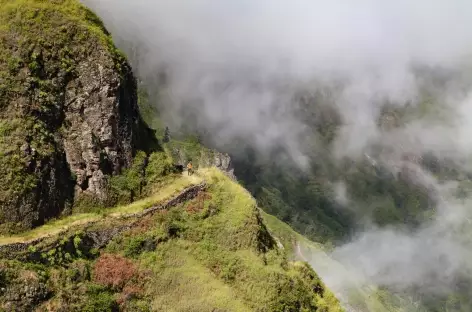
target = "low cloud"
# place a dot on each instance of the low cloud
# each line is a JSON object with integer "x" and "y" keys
{"x": 237, "y": 64}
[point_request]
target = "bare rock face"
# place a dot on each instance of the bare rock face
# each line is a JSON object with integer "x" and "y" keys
{"x": 101, "y": 113}
{"x": 223, "y": 162}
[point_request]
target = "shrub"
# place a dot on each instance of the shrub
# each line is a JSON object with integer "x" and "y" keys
{"x": 100, "y": 302}
{"x": 113, "y": 271}
{"x": 86, "y": 203}
{"x": 134, "y": 245}
{"x": 78, "y": 271}
{"x": 159, "y": 165}
{"x": 129, "y": 293}
{"x": 126, "y": 186}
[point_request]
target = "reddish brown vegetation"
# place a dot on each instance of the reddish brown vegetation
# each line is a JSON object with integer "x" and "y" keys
{"x": 198, "y": 203}
{"x": 113, "y": 270}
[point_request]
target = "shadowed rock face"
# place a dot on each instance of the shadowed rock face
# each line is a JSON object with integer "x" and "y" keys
{"x": 68, "y": 110}
{"x": 100, "y": 114}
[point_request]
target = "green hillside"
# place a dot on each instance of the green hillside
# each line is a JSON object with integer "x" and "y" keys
{"x": 209, "y": 253}
{"x": 96, "y": 213}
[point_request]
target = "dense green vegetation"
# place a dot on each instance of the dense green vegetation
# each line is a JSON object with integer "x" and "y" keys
{"x": 213, "y": 251}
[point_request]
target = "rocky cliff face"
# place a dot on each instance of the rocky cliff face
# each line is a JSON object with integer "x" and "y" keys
{"x": 68, "y": 111}
{"x": 224, "y": 163}
{"x": 100, "y": 117}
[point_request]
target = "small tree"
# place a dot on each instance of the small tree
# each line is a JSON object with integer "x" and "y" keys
{"x": 159, "y": 165}
{"x": 166, "y": 137}
{"x": 131, "y": 181}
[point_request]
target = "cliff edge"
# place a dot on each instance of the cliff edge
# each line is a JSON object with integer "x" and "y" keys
{"x": 69, "y": 116}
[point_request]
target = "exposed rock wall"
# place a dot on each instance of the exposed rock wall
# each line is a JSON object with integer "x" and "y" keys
{"x": 221, "y": 161}
{"x": 101, "y": 115}
{"x": 205, "y": 158}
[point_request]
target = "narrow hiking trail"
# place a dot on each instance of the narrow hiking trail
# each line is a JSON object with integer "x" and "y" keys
{"x": 54, "y": 228}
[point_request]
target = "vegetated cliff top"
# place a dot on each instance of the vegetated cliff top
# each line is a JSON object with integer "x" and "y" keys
{"x": 211, "y": 252}
{"x": 68, "y": 110}
{"x": 54, "y": 31}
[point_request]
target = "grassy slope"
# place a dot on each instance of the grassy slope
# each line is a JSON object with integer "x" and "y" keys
{"x": 219, "y": 258}
{"x": 214, "y": 255}
{"x": 218, "y": 263}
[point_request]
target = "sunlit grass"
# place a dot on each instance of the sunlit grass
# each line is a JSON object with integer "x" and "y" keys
{"x": 213, "y": 259}
{"x": 182, "y": 283}
{"x": 216, "y": 263}
{"x": 51, "y": 228}
{"x": 166, "y": 192}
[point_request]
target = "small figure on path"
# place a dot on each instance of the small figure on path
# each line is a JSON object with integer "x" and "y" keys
{"x": 189, "y": 168}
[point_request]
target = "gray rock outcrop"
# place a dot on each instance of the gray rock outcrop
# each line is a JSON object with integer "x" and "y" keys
{"x": 101, "y": 114}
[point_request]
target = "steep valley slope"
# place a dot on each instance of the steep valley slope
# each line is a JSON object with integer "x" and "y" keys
{"x": 209, "y": 251}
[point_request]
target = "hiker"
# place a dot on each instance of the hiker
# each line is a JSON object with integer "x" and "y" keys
{"x": 189, "y": 168}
